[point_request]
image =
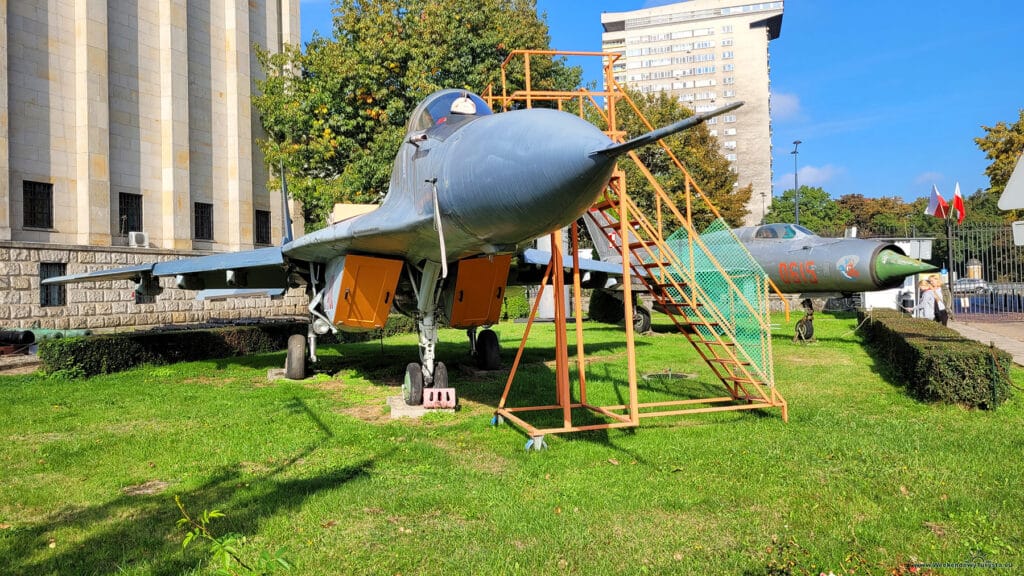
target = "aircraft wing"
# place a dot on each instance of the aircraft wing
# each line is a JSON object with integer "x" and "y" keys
{"x": 126, "y": 273}
{"x": 542, "y": 257}
{"x": 261, "y": 268}
{"x": 224, "y": 294}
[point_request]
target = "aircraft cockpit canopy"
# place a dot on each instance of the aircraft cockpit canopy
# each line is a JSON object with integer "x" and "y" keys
{"x": 784, "y": 231}
{"x": 447, "y": 106}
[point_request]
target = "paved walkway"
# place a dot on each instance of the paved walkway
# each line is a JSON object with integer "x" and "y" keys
{"x": 1008, "y": 336}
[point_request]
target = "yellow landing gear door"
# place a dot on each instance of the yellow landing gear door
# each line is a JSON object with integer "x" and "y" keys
{"x": 367, "y": 291}
{"x": 479, "y": 291}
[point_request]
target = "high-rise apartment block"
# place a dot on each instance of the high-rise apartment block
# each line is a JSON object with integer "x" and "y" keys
{"x": 127, "y": 134}
{"x": 707, "y": 53}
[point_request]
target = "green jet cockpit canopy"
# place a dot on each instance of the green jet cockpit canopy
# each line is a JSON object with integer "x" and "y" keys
{"x": 782, "y": 231}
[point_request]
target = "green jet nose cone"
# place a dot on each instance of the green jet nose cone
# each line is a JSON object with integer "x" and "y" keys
{"x": 892, "y": 266}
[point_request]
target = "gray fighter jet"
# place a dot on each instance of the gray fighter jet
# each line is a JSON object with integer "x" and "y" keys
{"x": 468, "y": 190}
{"x": 801, "y": 262}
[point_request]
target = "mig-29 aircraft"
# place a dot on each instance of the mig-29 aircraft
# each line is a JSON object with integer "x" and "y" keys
{"x": 469, "y": 188}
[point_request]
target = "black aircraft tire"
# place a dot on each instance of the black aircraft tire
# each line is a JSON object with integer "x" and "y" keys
{"x": 295, "y": 362}
{"x": 412, "y": 387}
{"x": 641, "y": 319}
{"x": 488, "y": 351}
{"x": 440, "y": 375}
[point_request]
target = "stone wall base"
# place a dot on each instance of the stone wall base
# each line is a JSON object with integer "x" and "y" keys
{"x": 111, "y": 305}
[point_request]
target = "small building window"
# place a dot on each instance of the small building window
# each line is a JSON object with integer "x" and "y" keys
{"x": 129, "y": 210}
{"x": 38, "y": 202}
{"x": 262, "y": 227}
{"x": 54, "y": 294}
{"x": 203, "y": 221}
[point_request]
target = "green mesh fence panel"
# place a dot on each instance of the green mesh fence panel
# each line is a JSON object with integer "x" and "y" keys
{"x": 727, "y": 287}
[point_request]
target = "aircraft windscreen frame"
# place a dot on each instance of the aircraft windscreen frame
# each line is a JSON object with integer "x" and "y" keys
{"x": 436, "y": 108}
{"x": 785, "y": 231}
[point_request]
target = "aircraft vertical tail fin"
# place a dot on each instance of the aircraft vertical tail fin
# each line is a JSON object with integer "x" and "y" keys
{"x": 286, "y": 234}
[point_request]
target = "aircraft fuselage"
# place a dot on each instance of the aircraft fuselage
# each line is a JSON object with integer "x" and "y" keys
{"x": 801, "y": 262}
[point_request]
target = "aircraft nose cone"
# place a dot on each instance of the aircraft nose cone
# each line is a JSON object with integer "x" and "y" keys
{"x": 522, "y": 174}
{"x": 891, "y": 267}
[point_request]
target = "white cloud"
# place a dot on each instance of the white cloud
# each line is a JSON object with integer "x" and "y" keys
{"x": 809, "y": 176}
{"x": 785, "y": 107}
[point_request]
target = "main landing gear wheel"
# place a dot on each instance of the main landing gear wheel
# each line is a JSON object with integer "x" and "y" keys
{"x": 295, "y": 362}
{"x": 488, "y": 352}
{"x": 440, "y": 376}
{"x": 412, "y": 386}
{"x": 641, "y": 319}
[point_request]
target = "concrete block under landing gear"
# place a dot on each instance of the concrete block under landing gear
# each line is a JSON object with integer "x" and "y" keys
{"x": 439, "y": 398}
{"x": 399, "y": 409}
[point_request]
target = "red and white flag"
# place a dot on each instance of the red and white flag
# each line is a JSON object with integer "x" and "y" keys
{"x": 936, "y": 205}
{"x": 958, "y": 205}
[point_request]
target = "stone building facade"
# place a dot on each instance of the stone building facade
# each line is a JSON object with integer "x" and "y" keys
{"x": 127, "y": 134}
{"x": 708, "y": 53}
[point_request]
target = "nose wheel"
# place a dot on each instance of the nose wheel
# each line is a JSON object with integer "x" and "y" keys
{"x": 412, "y": 385}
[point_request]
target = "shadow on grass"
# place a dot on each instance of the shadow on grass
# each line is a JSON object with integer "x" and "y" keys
{"x": 139, "y": 529}
{"x": 385, "y": 365}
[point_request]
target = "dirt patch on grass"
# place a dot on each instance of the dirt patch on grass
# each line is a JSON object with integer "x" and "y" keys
{"x": 372, "y": 413}
{"x": 19, "y": 366}
{"x": 204, "y": 380}
{"x": 361, "y": 401}
{"x": 588, "y": 360}
{"x": 469, "y": 458}
{"x": 146, "y": 489}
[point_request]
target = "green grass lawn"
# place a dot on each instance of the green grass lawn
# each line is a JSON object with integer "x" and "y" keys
{"x": 862, "y": 477}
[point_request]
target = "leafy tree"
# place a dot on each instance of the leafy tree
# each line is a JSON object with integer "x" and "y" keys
{"x": 886, "y": 216}
{"x": 1002, "y": 144}
{"x": 818, "y": 212}
{"x": 335, "y": 113}
{"x": 695, "y": 148}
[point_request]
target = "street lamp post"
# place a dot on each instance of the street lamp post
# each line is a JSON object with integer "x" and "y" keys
{"x": 796, "y": 182}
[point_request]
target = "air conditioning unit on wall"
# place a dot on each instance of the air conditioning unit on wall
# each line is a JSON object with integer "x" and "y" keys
{"x": 138, "y": 240}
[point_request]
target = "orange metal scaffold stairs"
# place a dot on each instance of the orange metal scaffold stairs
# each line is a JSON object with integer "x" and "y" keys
{"x": 671, "y": 279}
{"x": 720, "y": 308}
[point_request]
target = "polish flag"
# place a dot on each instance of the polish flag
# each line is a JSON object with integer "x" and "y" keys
{"x": 937, "y": 206}
{"x": 958, "y": 205}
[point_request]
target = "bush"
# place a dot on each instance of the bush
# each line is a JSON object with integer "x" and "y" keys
{"x": 936, "y": 363}
{"x": 91, "y": 355}
{"x": 515, "y": 304}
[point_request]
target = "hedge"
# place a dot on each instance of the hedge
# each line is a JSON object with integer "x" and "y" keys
{"x": 104, "y": 354}
{"x": 935, "y": 363}
{"x": 515, "y": 304}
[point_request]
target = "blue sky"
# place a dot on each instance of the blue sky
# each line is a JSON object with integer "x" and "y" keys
{"x": 887, "y": 97}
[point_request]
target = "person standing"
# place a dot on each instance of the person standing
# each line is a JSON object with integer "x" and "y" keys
{"x": 926, "y": 301}
{"x": 941, "y": 313}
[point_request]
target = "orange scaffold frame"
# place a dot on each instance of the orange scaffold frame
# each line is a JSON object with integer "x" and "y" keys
{"x": 619, "y": 416}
